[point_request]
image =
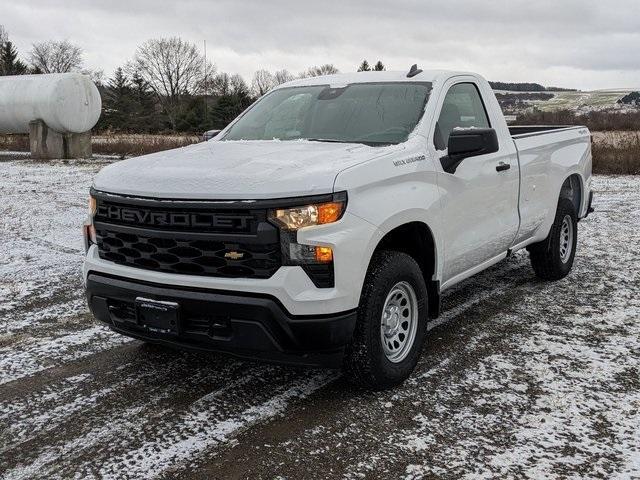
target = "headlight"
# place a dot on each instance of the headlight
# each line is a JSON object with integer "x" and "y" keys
{"x": 308, "y": 215}
{"x": 316, "y": 260}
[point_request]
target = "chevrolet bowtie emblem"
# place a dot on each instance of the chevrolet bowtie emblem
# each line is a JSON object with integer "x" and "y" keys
{"x": 234, "y": 255}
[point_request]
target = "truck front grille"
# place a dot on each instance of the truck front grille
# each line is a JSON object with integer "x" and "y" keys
{"x": 192, "y": 239}
{"x": 194, "y": 257}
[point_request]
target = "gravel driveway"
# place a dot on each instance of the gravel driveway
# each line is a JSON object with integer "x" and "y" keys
{"x": 521, "y": 378}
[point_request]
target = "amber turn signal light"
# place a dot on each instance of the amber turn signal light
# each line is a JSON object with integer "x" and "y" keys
{"x": 324, "y": 254}
{"x": 329, "y": 212}
{"x": 91, "y": 233}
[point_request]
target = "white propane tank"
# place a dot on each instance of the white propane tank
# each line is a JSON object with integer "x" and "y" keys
{"x": 66, "y": 102}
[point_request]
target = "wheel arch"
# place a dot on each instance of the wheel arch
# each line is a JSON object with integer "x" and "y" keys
{"x": 572, "y": 188}
{"x": 416, "y": 239}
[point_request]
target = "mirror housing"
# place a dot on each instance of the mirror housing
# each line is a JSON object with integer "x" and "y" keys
{"x": 209, "y": 134}
{"x": 468, "y": 142}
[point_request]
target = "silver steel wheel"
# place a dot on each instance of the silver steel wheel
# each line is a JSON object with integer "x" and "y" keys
{"x": 399, "y": 322}
{"x": 566, "y": 238}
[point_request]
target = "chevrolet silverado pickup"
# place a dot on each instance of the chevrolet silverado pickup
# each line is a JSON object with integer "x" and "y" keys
{"x": 323, "y": 224}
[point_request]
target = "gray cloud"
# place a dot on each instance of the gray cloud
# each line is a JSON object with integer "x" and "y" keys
{"x": 578, "y": 43}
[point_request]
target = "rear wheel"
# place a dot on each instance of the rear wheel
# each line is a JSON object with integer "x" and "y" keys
{"x": 391, "y": 325}
{"x": 552, "y": 258}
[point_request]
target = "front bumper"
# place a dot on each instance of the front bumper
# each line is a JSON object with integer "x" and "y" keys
{"x": 352, "y": 240}
{"x": 242, "y": 324}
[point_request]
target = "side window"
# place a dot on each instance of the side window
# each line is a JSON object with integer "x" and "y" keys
{"x": 462, "y": 108}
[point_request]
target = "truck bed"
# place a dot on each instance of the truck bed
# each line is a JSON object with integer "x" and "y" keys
{"x": 544, "y": 153}
{"x": 518, "y": 131}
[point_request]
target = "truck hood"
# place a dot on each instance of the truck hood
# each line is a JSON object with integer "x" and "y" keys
{"x": 235, "y": 170}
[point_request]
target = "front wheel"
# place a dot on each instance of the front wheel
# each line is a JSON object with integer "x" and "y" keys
{"x": 552, "y": 258}
{"x": 391, "y": 325}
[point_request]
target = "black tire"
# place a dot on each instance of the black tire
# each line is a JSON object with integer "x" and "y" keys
{"x": 546, "y": 258}
{"x": 366, "y": 363}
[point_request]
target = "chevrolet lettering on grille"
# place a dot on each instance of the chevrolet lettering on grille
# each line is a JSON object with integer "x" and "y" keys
{"x": 142, "y": 216}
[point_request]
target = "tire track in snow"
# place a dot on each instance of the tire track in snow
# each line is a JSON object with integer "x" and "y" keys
{"x": 58, "y": 402}
{"x": 149, "y": 435}
{"x": 19, "y": 361}
{"x": 156, "y": 457}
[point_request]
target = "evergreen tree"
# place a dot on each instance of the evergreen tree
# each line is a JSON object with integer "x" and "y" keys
{"x": 364, "y": 67}
{"x": 378, "y": 67}
{"x": 192, "y": 118}
{"x": 228, "y": 107}
{"x": 10, "y": 64}
{"x": 118, "y": 103}
{"x": 147, "y": 117}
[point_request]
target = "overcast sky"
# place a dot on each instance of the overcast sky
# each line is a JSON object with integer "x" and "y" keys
{"x": 584, "y": 44}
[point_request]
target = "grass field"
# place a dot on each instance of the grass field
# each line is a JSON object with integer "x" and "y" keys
{"x": 581, "y": 101}
{"x": 613, "y": 152}
{"x": 121, "y": 145}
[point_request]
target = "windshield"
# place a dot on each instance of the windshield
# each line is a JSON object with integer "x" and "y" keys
{"x": 370, "y": 113}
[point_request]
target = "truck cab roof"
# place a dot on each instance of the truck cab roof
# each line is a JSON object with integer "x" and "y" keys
{"x": 340, "y": 79}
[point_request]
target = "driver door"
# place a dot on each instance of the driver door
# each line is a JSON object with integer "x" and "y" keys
{"x": 479, "y": 203}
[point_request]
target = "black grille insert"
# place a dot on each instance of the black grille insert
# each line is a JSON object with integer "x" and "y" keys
{"x": 194, "y": 238}
{"x": 188, "y": 256}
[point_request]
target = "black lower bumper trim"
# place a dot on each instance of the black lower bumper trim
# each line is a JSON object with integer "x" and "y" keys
{"x": 246, "y": 325}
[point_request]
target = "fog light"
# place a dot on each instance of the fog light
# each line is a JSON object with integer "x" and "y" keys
{"x": 299, "y": 254}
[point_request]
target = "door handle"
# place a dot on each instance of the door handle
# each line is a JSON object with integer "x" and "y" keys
{"x": 502, "y": 166}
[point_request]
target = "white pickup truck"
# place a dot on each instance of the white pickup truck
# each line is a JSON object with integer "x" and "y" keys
{"x": 323, "y": 224}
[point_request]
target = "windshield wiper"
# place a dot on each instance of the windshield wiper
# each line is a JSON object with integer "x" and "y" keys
{"x": 328, "y": 140}
{"x": 362, "y": 142}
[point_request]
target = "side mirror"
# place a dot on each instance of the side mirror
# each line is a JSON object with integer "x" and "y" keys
{"x": 468, "y": 142}
{"x": 209, "y": 134}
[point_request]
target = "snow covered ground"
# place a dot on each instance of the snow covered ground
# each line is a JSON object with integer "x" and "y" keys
{"x": 521, "y": 378}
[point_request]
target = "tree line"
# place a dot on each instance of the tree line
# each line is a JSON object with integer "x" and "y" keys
{"x": 168, "y": 85}
{"x": 527, "y": 87}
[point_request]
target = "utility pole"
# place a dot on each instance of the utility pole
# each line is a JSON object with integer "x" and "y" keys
{"x": 205, "y": 82}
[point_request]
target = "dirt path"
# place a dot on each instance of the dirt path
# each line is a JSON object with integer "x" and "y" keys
{"x": 520, "y": 378}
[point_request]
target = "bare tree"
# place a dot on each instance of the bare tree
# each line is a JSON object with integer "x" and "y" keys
{"x": 221, "y": 84}
{"x": 316, "y": 71}
{"x": 4, "y": 37}
{"x": 56, "y": 57}
{"x": 282, "y": 76}
{"x": 97, "y": 76}
{"x": 173, "y": 68}
{"x": 262, "y": 82}
{"x": 238, "y": 86}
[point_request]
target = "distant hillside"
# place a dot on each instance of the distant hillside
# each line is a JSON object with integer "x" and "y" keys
{"x": 527, "y": 87}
